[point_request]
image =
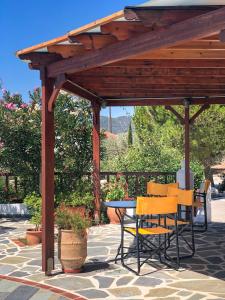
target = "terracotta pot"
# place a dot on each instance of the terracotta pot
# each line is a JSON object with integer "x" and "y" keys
{"x": 72, "y": 249}
{"x": 33, "y": 237}
{"x": 113, "y": 218}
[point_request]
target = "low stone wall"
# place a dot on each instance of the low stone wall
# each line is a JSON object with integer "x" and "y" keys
{"x": 13, "y": 210}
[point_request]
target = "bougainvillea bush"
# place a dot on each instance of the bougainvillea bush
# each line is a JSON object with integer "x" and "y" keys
{"x": 20, "y": 139}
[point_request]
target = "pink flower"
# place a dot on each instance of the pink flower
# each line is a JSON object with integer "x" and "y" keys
{"x": 23, "y": 105}
{"x": 11, "y": 106}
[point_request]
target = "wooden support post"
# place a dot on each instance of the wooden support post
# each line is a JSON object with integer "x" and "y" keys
{"x": 47, "y": 176}
{"x": 187, "y": 143}
{"x": 96, "y": 157}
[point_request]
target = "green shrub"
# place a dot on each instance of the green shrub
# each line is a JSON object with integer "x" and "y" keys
{"x": 33, "y": 203}
{"x": 70, "y": 221}
{"x": 115, "y": 190}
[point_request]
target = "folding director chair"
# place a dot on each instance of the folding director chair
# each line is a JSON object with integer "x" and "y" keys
{"x": 147, "y": 244}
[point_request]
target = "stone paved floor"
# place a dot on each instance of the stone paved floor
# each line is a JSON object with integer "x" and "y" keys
{"x": 12, "y": 290}
{"x": 201, "y": 277}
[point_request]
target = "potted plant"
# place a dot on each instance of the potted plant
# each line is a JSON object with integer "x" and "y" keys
{"x": 72, "y": 240}
{"x": 33, "y": 204}
{"x": 115, "y": 192}
{"x": 79, "y": 203}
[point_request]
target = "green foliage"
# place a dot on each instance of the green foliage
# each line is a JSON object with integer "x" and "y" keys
{"x": 33, "y": 203}
{"x": 20, "y": 140}
{"x": 130, "y": 136}
{"x": 75, "y": 199}
{"x": 71, "y": 221}
{"x": 114, "y": 190}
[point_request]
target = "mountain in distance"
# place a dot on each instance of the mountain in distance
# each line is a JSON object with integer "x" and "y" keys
{"x": 119, "y": 124}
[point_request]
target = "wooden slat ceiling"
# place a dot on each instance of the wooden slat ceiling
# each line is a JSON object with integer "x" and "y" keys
{"x": 192, "y": 69}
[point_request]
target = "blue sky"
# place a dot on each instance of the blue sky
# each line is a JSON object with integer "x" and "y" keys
{"x": 28, "y": 22}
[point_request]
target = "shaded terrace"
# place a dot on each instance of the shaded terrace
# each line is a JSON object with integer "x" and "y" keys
{"x": 146, "y": 55}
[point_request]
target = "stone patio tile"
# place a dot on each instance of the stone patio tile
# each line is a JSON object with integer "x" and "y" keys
{"x": 24, "y": 292}
{"x": 37, "y": 277}
{"x": 215, "y": 259}
{"x": 191, "y": 275}
{"x": 104, "y": 282}
{"x": 125, "y": 292}
{"x": 147, "y": 281}
{"x": 3, "y": 295}
{"x": 160, "y": 292}
{"x": 6, "y": 269}
{"x": 207, "y": 286}
{"x": 36, "y": 262}
{"x": 19, "y": 274}
{"x": 124, "y": 280}
{"x": 93, "y": 294}
{"x": 96, "y": 251}
{"x": 71, "y": 283}
{"x": 42, "y": 295}
{"x": 7, "y": 286}
{"x": 13, "y": 260}
{"x": 196, "y": 297}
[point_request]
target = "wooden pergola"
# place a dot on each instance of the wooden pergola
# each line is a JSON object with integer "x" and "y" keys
{"x": 146, "y": 55}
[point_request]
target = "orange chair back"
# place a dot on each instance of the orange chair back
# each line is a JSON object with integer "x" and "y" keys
{"x": 206, "y": 186}
{"x": 156, "y": 206}
{"x": 184, "y": 197}
{"x": 159, "y": 189}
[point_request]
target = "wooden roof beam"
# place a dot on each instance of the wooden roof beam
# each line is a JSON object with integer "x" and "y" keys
{"x": 40, "y": 59}
{"x": 162, "y": 101}
{"x": 158, "y": 17}
{"x": 123, "y": 30}
{"x": 77, "y": 90}
{"x": 93, "y": 41}
{"x": 191, "y": 29}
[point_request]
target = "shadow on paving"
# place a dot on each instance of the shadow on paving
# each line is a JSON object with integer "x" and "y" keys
{"x": 209, "y": 258}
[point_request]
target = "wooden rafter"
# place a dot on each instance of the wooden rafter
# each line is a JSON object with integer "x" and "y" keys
{"x": 123, "y": 30}
{"x": 93, "y": 41}
{"x": 194, "y": 28}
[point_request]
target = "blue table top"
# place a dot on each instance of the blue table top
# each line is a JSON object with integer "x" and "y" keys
{"x": 121, "y": 204}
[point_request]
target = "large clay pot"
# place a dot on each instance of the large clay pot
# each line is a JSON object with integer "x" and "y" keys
{"x": 72, "y": 249}
{"x": 111, "y": 213}
{"x": 33, "y": 237}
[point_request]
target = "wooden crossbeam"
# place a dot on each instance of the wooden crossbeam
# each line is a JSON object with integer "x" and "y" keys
{"x": 182, "y": 54}
{"x": 161, "y": 101}
{"x": 195, "y": 116}
{"x": 194, "y": 28}
{"x": 145, "y": 80}
{"x": 170, "y": 63}
{"x": 140, "y": 72}
{"x": 75, "y": 89}
{"x": 179, "y": 117}
{"x": 61, "y": 79}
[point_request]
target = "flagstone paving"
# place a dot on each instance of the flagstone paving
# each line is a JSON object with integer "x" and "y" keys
{"x": 201, "y": 277}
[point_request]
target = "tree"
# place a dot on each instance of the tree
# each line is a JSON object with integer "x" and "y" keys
{"x": 20, "y": 139}
{"x": 130, "y": 135}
